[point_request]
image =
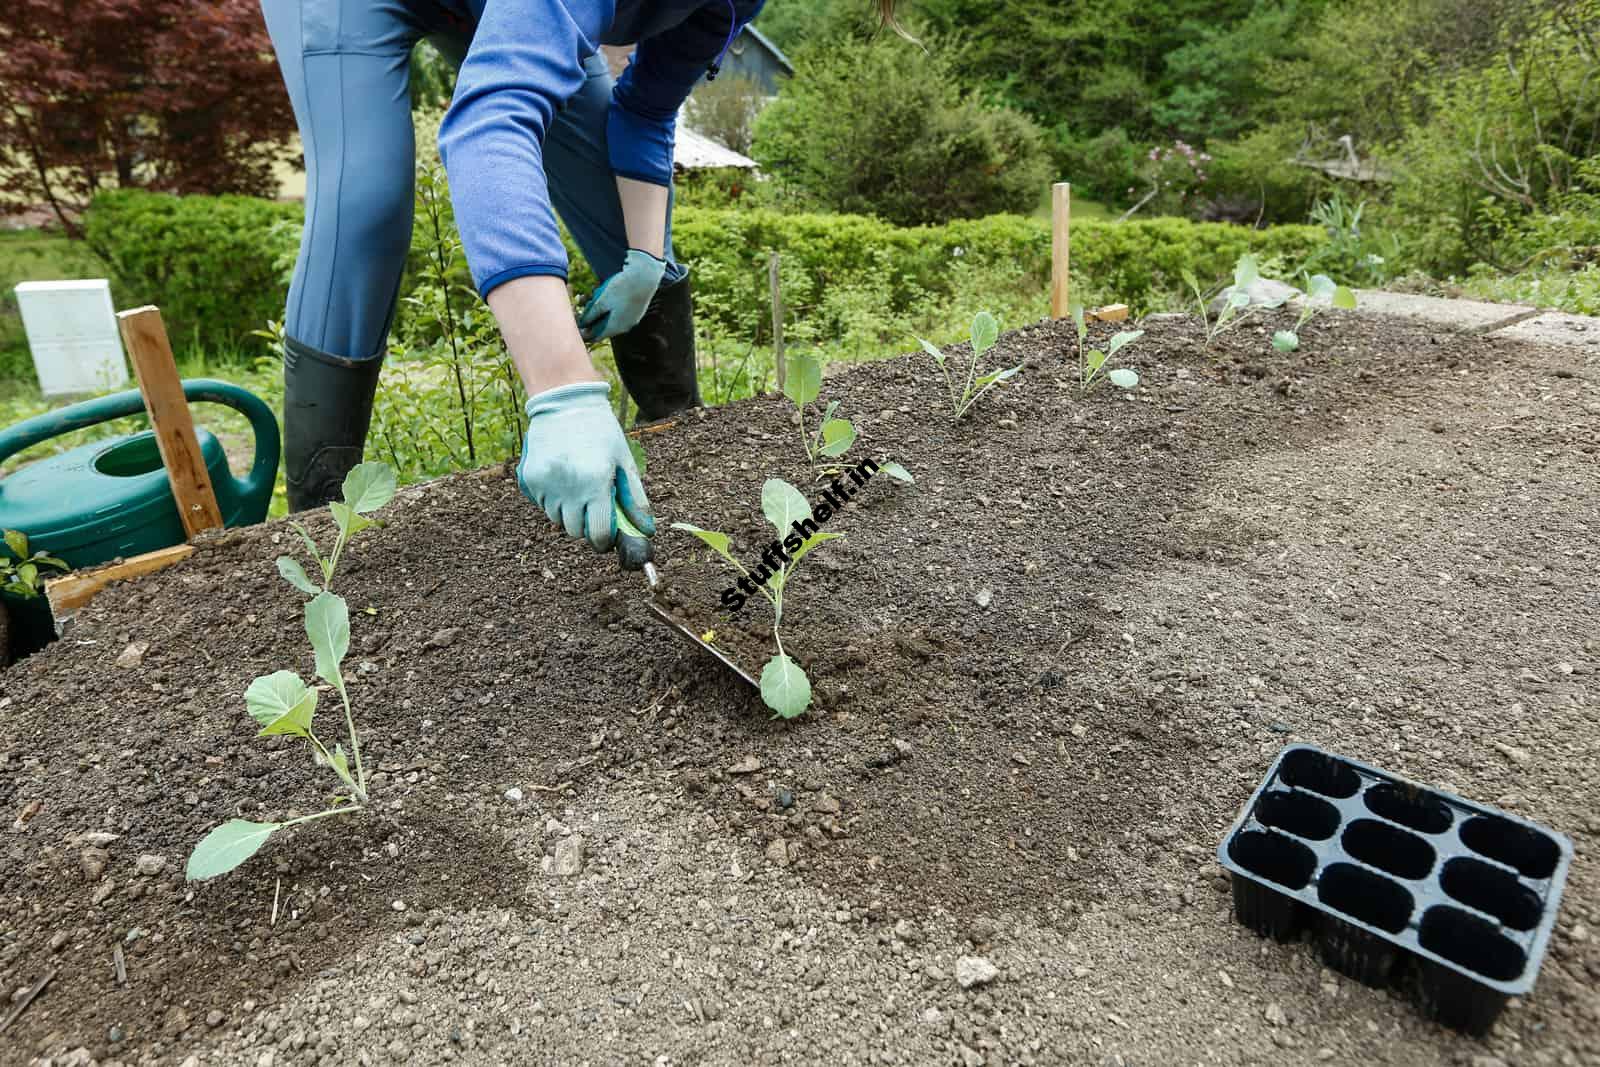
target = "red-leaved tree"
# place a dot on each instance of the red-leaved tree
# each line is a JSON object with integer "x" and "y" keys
{"x": 176, "y": 95}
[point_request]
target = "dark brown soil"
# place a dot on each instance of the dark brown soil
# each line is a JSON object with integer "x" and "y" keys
{"x": 1046, "y": 676}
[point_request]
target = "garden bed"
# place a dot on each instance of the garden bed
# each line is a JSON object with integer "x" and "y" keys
{"x": 1047, "y": 675}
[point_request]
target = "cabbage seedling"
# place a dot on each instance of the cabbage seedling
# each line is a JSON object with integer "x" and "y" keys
{"x": 784, "y": 686}
{"x": 1238, "y": 307}
{"x": 20, "y": 576}
{"x": 1321, "y": 292}
{"x": 1092, "y": 361}
{"x": 833, "y": 436}
{"x": 284, "y": 705}
{"x": 368, "y": 487}
{"x": 985, "y": 332}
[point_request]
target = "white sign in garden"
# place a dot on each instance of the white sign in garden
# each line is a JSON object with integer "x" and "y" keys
{"x": 72, "y": 333}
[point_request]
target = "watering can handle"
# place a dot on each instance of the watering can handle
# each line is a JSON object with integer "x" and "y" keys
{"x": 264, "y": 425}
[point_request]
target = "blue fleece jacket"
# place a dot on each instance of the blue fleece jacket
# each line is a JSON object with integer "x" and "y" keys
{"x": 524, "y": 62}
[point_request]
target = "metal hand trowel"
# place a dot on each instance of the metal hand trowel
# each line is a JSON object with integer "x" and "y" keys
{"x": 634, "y": 553}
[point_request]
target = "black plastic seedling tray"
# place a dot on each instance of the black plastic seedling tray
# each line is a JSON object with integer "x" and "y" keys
{"x": 1400, "y": 884}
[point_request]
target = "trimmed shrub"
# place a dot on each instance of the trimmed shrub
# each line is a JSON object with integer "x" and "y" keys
{"x": 214, "y": 264}
{"x": 217, "y": 265}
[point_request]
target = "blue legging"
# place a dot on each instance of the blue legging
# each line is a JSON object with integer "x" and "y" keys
{"x": 347, "y": 66}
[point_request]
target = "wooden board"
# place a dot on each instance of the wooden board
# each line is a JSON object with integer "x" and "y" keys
{"x": 78, "y": 588}
{"x": 145, "y": 338}
{"x": 1109, "y": 313}
{"x": 1060, "y": 250}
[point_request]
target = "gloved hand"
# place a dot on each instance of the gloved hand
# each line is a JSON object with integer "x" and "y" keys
{"x": 575, "y": 464}
{"x": 620, "y": 302}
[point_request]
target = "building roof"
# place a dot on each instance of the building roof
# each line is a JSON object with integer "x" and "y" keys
{"x": 695, "y": 151}
{"x": 776, "y": 52}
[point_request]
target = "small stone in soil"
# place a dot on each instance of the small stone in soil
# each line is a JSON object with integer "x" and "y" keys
{"x": 984, "y": 598}
{"x": 514, "y": 795}
{"x": 443, "y": 638}
{"x": 133, "y": 655}
{"x": 975, "y": 971}
{"x": 569, "y": 856}
{"x": 150, "y": 865}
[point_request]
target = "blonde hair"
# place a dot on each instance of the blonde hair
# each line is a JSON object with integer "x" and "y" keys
{"x": 886, "y": 18}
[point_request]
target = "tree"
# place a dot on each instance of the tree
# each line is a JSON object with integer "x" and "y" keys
{"x": 164, "y": 94}
{"x": 887, "y": 130}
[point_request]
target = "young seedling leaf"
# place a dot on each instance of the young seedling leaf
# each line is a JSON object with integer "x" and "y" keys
{"x": 28, "y": 573}
{"x": 328, "y": 627}
{"x": 1236, "y": 300}
{"x": 295, "y": 722}
{"x": 1344, "y": 298}
{"x": 783, "y": 505}
{"x": 226, "y": 847}
{"x": 1320, "y": 289}
{"x": 807, "y": 545}
{"x": 17, "y": 542}
{"x": 998, "y": 376}
{"x": 785, "y": 687}
{"x": 1286, "y": 340}
{"x": 1095, "y": 359}
{"x": 1123, "y": 378}
{"x": 897, "y": 472}
{"x": 341, "y": 763}
{"x": 1079, "y": 323}
{"x": 1190, "y": 280}
{"x": 985, "y": 331}
{"x": 311, "y": 547}
{"x": 1246, "y": 272}
{"x": 295, "y": 575}
{"x": 369, "y": 486}
{"x": 1126, "y": 337}
{"x": 51, "y": 561}
{"x": 837, "y": 437}
{"x": 804, "y": 380}
{"x": 272, "y": 695}
{"x": 833, "y": 405}
{"x": 351, "y": 521}
{"x": 719, "y": 542}
{"x": 932, "y": 350}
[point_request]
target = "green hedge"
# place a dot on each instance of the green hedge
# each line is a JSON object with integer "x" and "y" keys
{"x": 1139, "y": 263}
{"x": 217, "y": 264}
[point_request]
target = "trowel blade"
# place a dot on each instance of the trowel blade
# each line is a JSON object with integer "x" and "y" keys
{"x": 662, "y": 614}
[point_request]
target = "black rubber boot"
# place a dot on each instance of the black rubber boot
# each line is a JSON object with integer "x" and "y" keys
{"x": 656, "y": 360}
{"x": 327, "y": 407}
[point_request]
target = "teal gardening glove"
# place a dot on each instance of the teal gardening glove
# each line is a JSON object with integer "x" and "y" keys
{"x": 576, "y": 464}
{"x": 622, "y": 299}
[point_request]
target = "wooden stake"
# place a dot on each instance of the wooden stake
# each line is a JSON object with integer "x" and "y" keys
{"x": 1060, "y": 249}
{"x": 145, "y": 338}
{"x": 78, "y": 588}
{"x": 777, "y": 319}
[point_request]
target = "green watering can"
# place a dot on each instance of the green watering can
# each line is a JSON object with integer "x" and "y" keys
{"x": 112, "y": 498}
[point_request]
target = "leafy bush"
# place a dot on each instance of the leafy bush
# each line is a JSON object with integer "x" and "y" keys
{"x": 213, "y": 263}
{"x": 1501, "y": 143}
{"x": 887, "y": 130}
{"x": 1104, "y": 167}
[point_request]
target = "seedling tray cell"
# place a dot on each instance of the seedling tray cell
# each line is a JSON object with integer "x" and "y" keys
{"x": 1399, "y": 884}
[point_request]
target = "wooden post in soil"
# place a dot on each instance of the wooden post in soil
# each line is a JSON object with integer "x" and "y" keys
{"x": 1060, "y": 249}
{"x": 777, "y": 319}
{"x": 145, "y": 338}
